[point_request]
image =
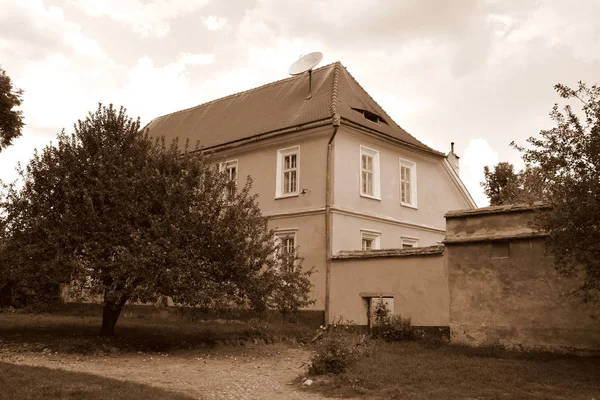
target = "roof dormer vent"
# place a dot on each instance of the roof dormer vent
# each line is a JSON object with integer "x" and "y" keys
{"x": 371, "y": 116}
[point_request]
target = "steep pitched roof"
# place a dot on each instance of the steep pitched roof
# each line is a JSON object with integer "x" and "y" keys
{"x": 280, "y": 105}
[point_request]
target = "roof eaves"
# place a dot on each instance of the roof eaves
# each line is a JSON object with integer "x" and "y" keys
{"x": 423, "y": 148}
{"x": 269, "y": 134}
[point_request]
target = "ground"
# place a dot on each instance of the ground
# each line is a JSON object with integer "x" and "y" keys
{"x": 262, "y": 372}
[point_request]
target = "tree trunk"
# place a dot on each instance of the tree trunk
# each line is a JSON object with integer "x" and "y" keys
{"x": 110, "y": 315}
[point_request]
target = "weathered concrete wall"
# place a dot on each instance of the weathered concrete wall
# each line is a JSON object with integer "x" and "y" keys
{"x": 504, "y": 288}
{"x": 416, "y": 279}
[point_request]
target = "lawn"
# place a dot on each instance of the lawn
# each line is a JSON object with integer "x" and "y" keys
{"x": 418, "y": 371}
{"x": 18, "y": 382}
{"x": 79, "y": 334}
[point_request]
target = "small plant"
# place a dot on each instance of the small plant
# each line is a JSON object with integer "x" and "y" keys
{"x": 339, "y": 346}
{"x": 389, "y": 327}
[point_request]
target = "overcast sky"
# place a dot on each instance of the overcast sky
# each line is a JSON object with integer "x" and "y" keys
{"x": 479, "y": 73}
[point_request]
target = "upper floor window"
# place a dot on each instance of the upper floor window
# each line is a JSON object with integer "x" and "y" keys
{"x": 369, "y": 172}
{"x": 370, "y": 240}
{"x": 408, "y": 183}
{"x": 288, "y": 172}
{"x": 231, "y": 171}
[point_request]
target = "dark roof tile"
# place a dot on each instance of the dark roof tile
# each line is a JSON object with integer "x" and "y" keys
{"x": 277, "y": 106}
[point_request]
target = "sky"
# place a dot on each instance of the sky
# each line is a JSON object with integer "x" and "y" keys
{"x": 479, "y": 73}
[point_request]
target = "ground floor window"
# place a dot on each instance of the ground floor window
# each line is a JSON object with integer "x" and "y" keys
{"x": 369, "y": 240}
{"x": 409, "y": 242}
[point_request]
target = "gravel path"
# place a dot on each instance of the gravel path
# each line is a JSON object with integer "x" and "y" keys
{"x": 259, "y": 373}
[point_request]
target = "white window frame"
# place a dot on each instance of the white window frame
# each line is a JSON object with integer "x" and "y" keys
{"x": 410, "y": 241}
{"x": 279, "y": 183}
{"x": 413, "y": 182}
{"x": 370, "y": 235}
{"x": 225, "y": 167}
{"x": 282, "y": 234}
{"x": 374, "y": 154}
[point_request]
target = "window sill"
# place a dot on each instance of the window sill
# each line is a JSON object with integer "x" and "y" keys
{"x": 286, "y": 196}
{"x": 408, "y": 205}
{"x": 368, "y": 196}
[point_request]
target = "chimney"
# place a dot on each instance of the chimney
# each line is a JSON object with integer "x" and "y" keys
{"x": 453, "y": 158}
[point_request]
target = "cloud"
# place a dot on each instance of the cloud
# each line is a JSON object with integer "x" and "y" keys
{"x": 146, "y": 18}
{"x": 35, "y": 30}
{"x": 477, "y": 154}
{"x": 213, "y": 23}
{"x": 153, "y": 90}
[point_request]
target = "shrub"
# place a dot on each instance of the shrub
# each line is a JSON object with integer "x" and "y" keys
{"x": 389, "y": 327}
{"x": 339, "y": 346}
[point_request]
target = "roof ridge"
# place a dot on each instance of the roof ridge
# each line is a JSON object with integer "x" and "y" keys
{"x": 334, "y": 91}
{"x": 378, "y": 105}
{"x": 242, "y": 92}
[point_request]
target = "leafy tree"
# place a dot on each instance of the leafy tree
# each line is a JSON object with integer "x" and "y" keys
{"x": 502, "y": 184}
{"x": 567, "y": 158}
{"x": 11, "y": 121}
{"x": 123, "y": 217}
{"x": 505, "y": 186}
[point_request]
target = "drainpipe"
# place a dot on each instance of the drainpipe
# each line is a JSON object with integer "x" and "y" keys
{"x": 328, "y": 218}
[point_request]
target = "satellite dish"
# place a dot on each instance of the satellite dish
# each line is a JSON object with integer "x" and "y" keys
{"x": 305, "y": 63}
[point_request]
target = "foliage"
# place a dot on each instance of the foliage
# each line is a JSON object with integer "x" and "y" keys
{"x": 339, "y": 346}
{"x": 414, "y": 370}
{"x": 120, "y": 216}
{"x": 11, "y": 120}
{"x": 289, "y": 285}
{"x": 505, "y": 186}
{"x": 567, "y": 157}
{"x": 390, "y": 327}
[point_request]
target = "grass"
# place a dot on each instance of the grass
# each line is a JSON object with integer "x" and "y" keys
{"x": 19, "y": 382}
{"x": 418, "y": 371}
{"x": 79, "y": 334}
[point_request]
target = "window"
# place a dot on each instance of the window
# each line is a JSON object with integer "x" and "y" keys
{"x": 286, "y": 241}
{"x": 369, "y": 240}
{"x": 408, "y": 183}
{"x": 369, "y": 172}
{"x": 231, "y": 170}
{"x": 288, "y": 172}
{"x": 409, "y": 242}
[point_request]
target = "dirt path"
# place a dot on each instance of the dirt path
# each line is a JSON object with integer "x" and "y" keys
{"x": 263, "y": 372}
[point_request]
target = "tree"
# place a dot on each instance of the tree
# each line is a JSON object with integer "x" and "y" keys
{"x": 116, "y": 214}
{"x": 11, "y": 121}
{"x": 505, "y": 186}
{"x": 502, "y": 184}
{"x": 567, "y": 158}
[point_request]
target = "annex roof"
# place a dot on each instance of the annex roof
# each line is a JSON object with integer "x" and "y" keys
{"x": 280, "y": 105}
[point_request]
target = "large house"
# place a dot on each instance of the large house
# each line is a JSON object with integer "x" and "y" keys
{"x": 333, "y": 171}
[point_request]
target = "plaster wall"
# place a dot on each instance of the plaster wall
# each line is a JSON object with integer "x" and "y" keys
{"x": 259, "y": 161}
{"x": 436, "y": 193}
{"x": 418, "y": 284}
{"x": 508, "y": 291}
{"x": 347, "y": 229}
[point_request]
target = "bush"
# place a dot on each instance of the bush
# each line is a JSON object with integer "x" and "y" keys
{"x": 339, "y": 347}
{"x": 389, "y": 327}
